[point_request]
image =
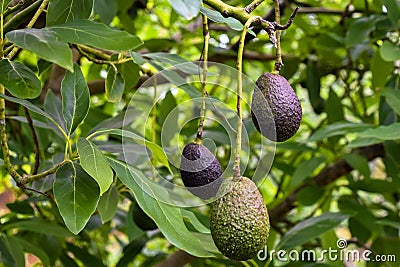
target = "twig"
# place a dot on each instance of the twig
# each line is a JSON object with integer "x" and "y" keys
{"x": 26, "y": 179}
{"x": 206, "y": 35}
{"x": 241, "y": 15}
{"x": 253, "y": 5}
{"x": 278, "y": 26}
{"x": 36, "y": 148}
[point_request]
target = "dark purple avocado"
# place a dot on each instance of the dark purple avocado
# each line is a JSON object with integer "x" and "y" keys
{"x": 275, "y": 108}
{"x": 200, "y": 171}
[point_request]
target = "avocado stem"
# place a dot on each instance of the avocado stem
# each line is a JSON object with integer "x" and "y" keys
{"x": 236, "y": 166}
{"x": 153, "y": 128}
{"x": 278, "y": 61}
{"x": 206, "y": 35}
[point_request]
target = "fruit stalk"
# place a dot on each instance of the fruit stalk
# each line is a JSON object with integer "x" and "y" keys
{"x": 153, "y": 128}
{"x": 206, "y": 35}
{"x": 236, "y": 166}
{"x": 278, "y": 61}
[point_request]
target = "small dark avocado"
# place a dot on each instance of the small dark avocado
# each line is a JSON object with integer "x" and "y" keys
{"x": 200, "y": 171}
{"x": 275, "y": 108}
{"x": 141, "y": 219}
{"x": 239, "y": 220}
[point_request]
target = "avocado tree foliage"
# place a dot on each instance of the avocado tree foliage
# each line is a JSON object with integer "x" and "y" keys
{"x": 90, "y": 128}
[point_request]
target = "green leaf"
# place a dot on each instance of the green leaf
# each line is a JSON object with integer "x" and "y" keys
{"x": 76, "y": 195}
{"x": 137, "y": 58}
{"x": 215, "y": 16}
{"x": 362, "y": 142}
{"x": 195, "y": 222}
{"x": 304, "y": 170}
{"x": 19, "y": 80}
{"x": 383, "y": 132}
{"x": 95, "y": 164}
{"x": 359, "y": 163}
{"x": 35, "y": 250}
{"x": 393, "y": 11}
{"x": 45, "y": 44}
{"x": 173, "y": 77}
{"x": 130, "y": 251}
{"x": 174, "y": 60}
{"x": 130, "y": 74}
{"x": 389, "y": 51}
{"x": 39, "y": 226}
{"x": 310, "y": 229}
{"x": 167, "y": 217}
{"x": 95, "y": 34}
{"x": 359, "y": 30}
{"x": 186, "y": 8}
{"x": 115, "y": 85}
{"x": 61, "y": 11}
{"x": 106, "y": 10}
{"x": 108, "y": 204}
{"x": 11, "y": 251}
{"x": 32, "y": 108}
{"x": 21, "y": 207}
{"x": 84, "y": 256}
{"x": 155, "y": 149}
{"x": 380, "y": 70}
{"x": 313, "y": 84}
{"x": 75, "y": 98}
{"x": 376, "y": 186}
{"x": 334, "y": 108}
{"x": 392, "y": 98}
{"x": 310, "y": 195}
{"x": 338, "y": 128}
{"x": 53, "y": 107}
{"x": 27, "y": 104}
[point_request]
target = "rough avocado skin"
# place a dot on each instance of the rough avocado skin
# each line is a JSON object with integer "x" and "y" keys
{"x": 199, "y": 168}
{"x": 276, "y": 110}
{"x": 239, "y": 221}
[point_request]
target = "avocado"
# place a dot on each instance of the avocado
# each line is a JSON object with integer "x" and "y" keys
{"x": 200, "y": 171}
{"x": 275, "y": 108}
{"x": 141, "y": 219}
{"x": 239, "y": 220}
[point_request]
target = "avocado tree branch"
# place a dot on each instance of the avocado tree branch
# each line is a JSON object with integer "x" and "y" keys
{"x": 26, "y": 179}
{"x": 243, "y": 16}
{"x": 327, "y": 176}
{"x": 3, "y": 138}
{"x": 253, "y": 5}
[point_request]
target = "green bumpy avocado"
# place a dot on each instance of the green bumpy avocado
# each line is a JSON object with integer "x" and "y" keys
{"x": 239, "y": 220}
{"x": 200, "y": 171}
{"x": 275, "y": 108}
